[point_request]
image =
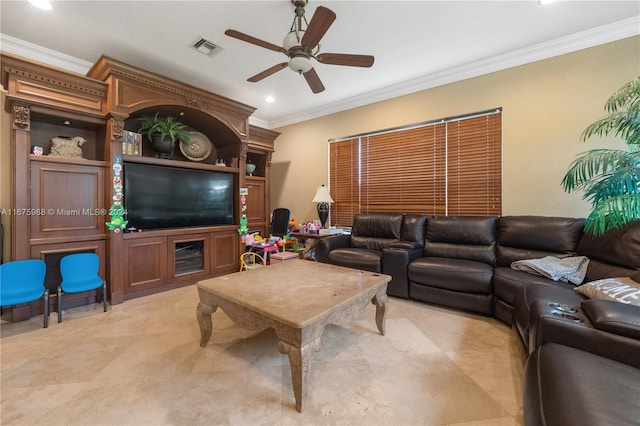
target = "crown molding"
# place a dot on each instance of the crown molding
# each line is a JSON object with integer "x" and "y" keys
{"x": 582, "y": 40}
{"x": 42, "y": 54}
{"x": 259, "y": 122}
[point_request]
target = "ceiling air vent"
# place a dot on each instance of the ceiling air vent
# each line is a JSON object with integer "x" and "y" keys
{"x": 206, "y": 47}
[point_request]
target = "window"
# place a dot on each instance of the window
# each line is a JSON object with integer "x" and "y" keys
{"x": 451, "y": 166}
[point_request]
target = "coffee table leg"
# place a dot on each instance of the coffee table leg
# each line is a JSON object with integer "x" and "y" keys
{"x": 203, "y": 313}
{"x": 300, "y": 364}
{"x": 380, "y": 300}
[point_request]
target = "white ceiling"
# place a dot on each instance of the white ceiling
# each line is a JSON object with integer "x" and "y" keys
{"x": 417, "y": 44}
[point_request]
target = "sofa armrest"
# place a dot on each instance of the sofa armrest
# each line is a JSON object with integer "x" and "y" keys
{"x": 550, "y": 322}
{"x": 326, "y": 244}
{"x": 613, "y": 317}
{"x": 395, "y": 262}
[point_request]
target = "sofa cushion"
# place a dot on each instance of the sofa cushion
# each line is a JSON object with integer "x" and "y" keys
{"x": 613, "y": 317}
{"x": 598, "y": 270}
{"x": 567, "y": 386}
{"x": 623, "y": 290}
{"x": 452, "y": 274}
{"x": 461, "y": 237}
{"x": 413, "y": 228}
{"x": 371, "y": 243}
{"x": 532, "y": 237}
{"x": 617, "y": 247}
{"x": 507, "y": 282}
{"x": 368, "y": 260}
{"x": 375, "y": 231}
{"x": 473, "y": 302}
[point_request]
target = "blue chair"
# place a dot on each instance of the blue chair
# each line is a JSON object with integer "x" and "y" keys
{"x": 80, "y": 273}
{"x": 22, "y": 281}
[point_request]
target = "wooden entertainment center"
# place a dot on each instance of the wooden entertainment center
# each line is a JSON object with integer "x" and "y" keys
{"x": 61, "y": 204}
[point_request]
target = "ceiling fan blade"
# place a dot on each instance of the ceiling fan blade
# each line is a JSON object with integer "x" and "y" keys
{"x": 256, "y": 41}
{"x": 314, "y": 81}
{"x": 320, "y": 23}
{"x": 345, "y": 59}
{"x": 266, "y": 73}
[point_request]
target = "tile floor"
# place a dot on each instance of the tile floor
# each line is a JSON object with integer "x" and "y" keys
{"x": 141, "y": 364}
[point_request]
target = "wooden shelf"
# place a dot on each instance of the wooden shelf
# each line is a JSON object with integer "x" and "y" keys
{"x": 177, "y": 231}
{"x": 68, "y": 160}
{"x": 178, "y": 163}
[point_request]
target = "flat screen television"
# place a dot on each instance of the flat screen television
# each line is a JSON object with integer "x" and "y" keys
{"x": 160, "y": 197}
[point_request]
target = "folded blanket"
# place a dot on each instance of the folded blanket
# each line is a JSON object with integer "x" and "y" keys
{"x": 567, "y": 269}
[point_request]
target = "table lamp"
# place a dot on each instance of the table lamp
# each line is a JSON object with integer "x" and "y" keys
{"x": 323, "y": 198}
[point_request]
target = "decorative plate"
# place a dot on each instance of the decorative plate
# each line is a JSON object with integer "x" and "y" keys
{"x": 199, "y": 147}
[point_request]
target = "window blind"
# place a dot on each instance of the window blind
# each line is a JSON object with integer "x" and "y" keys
{"x": 344, "y": 180}
{"x": 404, "y": 171}
{"x": 474, "y": 166}
{"x": 450, "y": 166}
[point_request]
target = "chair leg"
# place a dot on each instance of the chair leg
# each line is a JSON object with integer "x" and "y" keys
{"x": 46, "y": 308}
{"x": 104, "y": 296}
{"x": 59, "y": 304}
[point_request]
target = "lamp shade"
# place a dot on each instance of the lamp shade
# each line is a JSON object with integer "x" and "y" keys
{"x": 322, "y": 195}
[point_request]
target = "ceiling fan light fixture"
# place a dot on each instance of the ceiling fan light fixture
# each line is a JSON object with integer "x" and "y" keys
{"x": 292, "y": 39}
{"x": 302, "y": 44}
{"x": 300, "y": 64}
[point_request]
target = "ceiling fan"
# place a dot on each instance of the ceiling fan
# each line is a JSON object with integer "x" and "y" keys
{"x": 301, "y": 44}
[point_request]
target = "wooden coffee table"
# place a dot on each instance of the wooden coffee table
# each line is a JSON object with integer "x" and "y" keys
{"x": 297, "y": 298}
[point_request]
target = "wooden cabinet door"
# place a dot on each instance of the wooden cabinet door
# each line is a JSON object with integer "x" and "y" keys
{"x": 69, "y": 200}
{"x": 255, "y": 212}
{"x": 225, "y": 252}
{"x": 145, "y": 265}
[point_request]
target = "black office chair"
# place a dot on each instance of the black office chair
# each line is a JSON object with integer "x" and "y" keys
{"x": 280, "y": 222}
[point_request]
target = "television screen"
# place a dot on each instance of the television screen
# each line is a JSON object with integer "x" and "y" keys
{"x": 157, "y": 197}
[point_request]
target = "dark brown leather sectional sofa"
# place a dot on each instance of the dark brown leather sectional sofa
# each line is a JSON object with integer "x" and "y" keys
{"x": 465, "y": 263}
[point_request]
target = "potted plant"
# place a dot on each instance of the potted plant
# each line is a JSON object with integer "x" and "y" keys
{"x": 163, "y": 133}
{"x": 611, "y": 177}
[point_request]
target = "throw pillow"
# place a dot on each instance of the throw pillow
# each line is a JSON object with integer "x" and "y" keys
{"x": 622, "y": 289}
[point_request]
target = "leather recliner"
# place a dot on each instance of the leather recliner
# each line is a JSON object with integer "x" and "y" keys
{"x": 371, "y": 236}
{"x": 529, "y": 237}
{"x": 456, "y": 268}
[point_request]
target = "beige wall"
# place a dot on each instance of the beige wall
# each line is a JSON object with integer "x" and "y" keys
{"x": 546, "y": 106}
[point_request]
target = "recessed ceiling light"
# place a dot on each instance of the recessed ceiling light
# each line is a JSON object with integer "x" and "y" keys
{"x": 546, "y": 1}
{"x": 42, "y": 4}
{"x": 270, "y": 99}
